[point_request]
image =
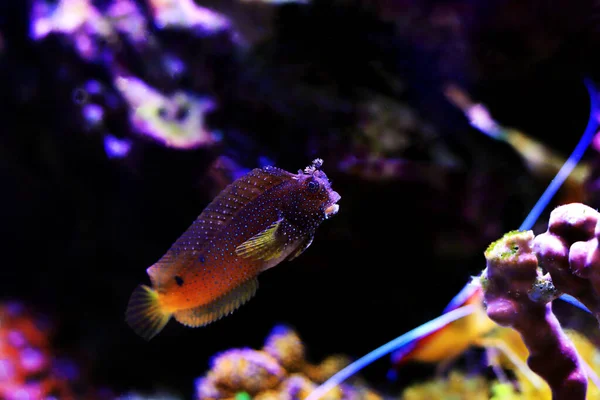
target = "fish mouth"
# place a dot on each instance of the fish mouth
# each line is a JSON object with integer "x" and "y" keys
{"x": 331, "y": 210}
{"x": 333, "y": 206}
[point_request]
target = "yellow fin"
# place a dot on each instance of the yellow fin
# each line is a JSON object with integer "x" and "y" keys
{"x": 144, "y": 314}
{"x": 265, "y": 245}
{"x": 219, "y": 308}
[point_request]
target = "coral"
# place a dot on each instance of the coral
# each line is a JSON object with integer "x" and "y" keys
{"x": 457, "y": 385}
{"x": 78, "y": 18}
{"x": 519, "y": 295}
{"x": 186, "y": 14}
{"x": 510, "y": 276}
{"x": 589, "y": 354}
{"x": 25, "y": 358}
{"x": 245, "y": 370}
{"x": 176, "y": 121}
{"x": 29, "y": 368}
{"x": 321, "y": 372}
{"x": 112, "y": 36}
{"x": 286, "y": 346}
{"x": 279, "y": 371}
{"x": 568, "y": 251}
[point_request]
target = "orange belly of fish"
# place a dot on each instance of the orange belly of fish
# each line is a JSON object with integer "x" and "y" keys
{"x": 206, "y": 283}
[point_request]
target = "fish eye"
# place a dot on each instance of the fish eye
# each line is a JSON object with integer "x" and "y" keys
{"x": 313, "y": 186}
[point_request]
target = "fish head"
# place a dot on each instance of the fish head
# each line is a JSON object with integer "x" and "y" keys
{"x": 312, "y": 199}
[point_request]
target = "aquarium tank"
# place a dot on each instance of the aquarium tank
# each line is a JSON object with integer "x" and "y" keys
{"x": 299, "y": 199}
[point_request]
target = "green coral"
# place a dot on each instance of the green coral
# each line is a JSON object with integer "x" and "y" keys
{"x": 508, "y": 245}
{"x": 243, "y": 396}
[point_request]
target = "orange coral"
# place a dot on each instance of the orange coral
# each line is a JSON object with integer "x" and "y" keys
{"x": 286, "y": 346}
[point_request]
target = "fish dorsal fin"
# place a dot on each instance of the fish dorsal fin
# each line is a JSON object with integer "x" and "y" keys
{"x": 219, "y": 308}
{"x": 225, "y": 206}
{"x": 265, "y": 245}
{"x": 219, "y": 213}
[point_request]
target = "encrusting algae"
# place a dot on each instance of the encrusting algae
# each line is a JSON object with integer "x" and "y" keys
{"x": 279, "y": 371}
{"x": 263, "y": 218}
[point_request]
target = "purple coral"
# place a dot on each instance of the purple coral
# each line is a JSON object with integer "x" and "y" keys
{"x": 512, "y": 285}
{"x": 568, "y": 251}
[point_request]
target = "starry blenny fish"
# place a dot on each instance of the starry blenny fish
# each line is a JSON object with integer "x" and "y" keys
{"x": 262, "y": 218}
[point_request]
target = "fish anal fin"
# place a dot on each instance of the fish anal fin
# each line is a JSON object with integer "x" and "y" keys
{"x": 305, "y": 244}
{"x": 224, "y": 305}
{"x": 144, "y": 313}
{"x": 265, "y": 245}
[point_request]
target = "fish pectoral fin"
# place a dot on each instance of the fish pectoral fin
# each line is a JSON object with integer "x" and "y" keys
{"x": 144, "y": 314}
{"x": 301, "y": 248}
{"x": 265, "y": 245}
{"x": 220, "y": 307}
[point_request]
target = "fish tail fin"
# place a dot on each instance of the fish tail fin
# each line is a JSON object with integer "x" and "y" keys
{"x": 144, "y": 313}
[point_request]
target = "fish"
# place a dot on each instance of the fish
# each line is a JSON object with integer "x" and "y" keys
{"x": 261, "y": 219}
{"x": 449, "y": 342}
{"x": 504, "y": 346}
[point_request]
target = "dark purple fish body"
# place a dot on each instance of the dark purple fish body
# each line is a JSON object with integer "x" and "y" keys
{"x": 264, "y": 217}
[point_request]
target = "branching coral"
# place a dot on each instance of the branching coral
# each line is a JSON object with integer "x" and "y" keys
{"x": 589, "y": 355}
{"x": 518, "y": 295}
{"x": 279, "y": 371}
{"x": 510, "y": 283}
{"x": 524, "y": 274}
{"x": 568, "y": 251}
